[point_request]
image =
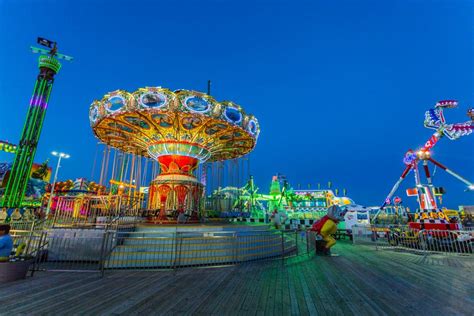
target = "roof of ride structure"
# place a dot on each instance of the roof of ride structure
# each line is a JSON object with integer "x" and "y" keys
{"x": 155, "y": 121}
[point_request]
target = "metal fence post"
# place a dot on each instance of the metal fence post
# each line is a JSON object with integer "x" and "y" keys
{"x": 296, "y": 241}
{"x": 30, "y": 237}
{"x": 375, "y": 237}
{"x": 177, "y": 256}
{"x": 102, "y": 254}
{"x": 236, "y": 245}
{"x": 37, "y": 258}
{"x": 282, "y": 248}
{"x": 307, "y": 242}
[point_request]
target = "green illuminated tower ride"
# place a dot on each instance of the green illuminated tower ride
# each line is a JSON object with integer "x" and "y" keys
{"x": 21, "y": 169}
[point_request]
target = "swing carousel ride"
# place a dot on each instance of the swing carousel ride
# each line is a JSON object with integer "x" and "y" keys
{"x": 180, "y": 130}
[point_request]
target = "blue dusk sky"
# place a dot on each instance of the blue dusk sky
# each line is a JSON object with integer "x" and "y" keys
{"x": 340, "y": 88}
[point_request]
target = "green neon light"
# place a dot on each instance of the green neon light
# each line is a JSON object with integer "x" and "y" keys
{"x": 31, "y": 156}
{"x": 7, "y": 147}
{"x": 20, "y": 165}
{"x": 49, "y": 62}
{"x": 25, "y": 153}
{"x": 12, "y": 186}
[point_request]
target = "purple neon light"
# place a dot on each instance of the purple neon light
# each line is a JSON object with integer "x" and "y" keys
{"x": 40, "y": 101}
{"x": 33, "y": 100}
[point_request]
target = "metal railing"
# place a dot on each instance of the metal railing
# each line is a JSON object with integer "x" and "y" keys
{"x": 26, "y": 242}
{"x": 426, "y": 241}
{"x": 94, "y": 209}
{"x": 101, "y": 250}
{"x": 23, "y": 225}
{"x": 145, "y": 250}
{"x": 106, "y": 222}
{"x": 71, "y": 246}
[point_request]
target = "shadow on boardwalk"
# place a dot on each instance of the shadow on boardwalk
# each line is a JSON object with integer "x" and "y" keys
{"x": 361, "y": 281}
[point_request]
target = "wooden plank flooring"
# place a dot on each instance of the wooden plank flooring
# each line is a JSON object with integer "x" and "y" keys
{"x": 362, "y": 281}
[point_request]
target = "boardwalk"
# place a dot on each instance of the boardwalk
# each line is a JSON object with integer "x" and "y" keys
{"x": 361, "y": 281}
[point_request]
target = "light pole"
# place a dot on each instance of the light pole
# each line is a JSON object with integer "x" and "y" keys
{"x": 60, "y": 156}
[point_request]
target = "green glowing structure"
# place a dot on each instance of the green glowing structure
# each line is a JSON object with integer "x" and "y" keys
{"x": 7, "y": 147}
{"x": 48, "y": 67}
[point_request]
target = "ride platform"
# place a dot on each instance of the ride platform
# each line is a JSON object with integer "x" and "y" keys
{"x": 170, "y": 246}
